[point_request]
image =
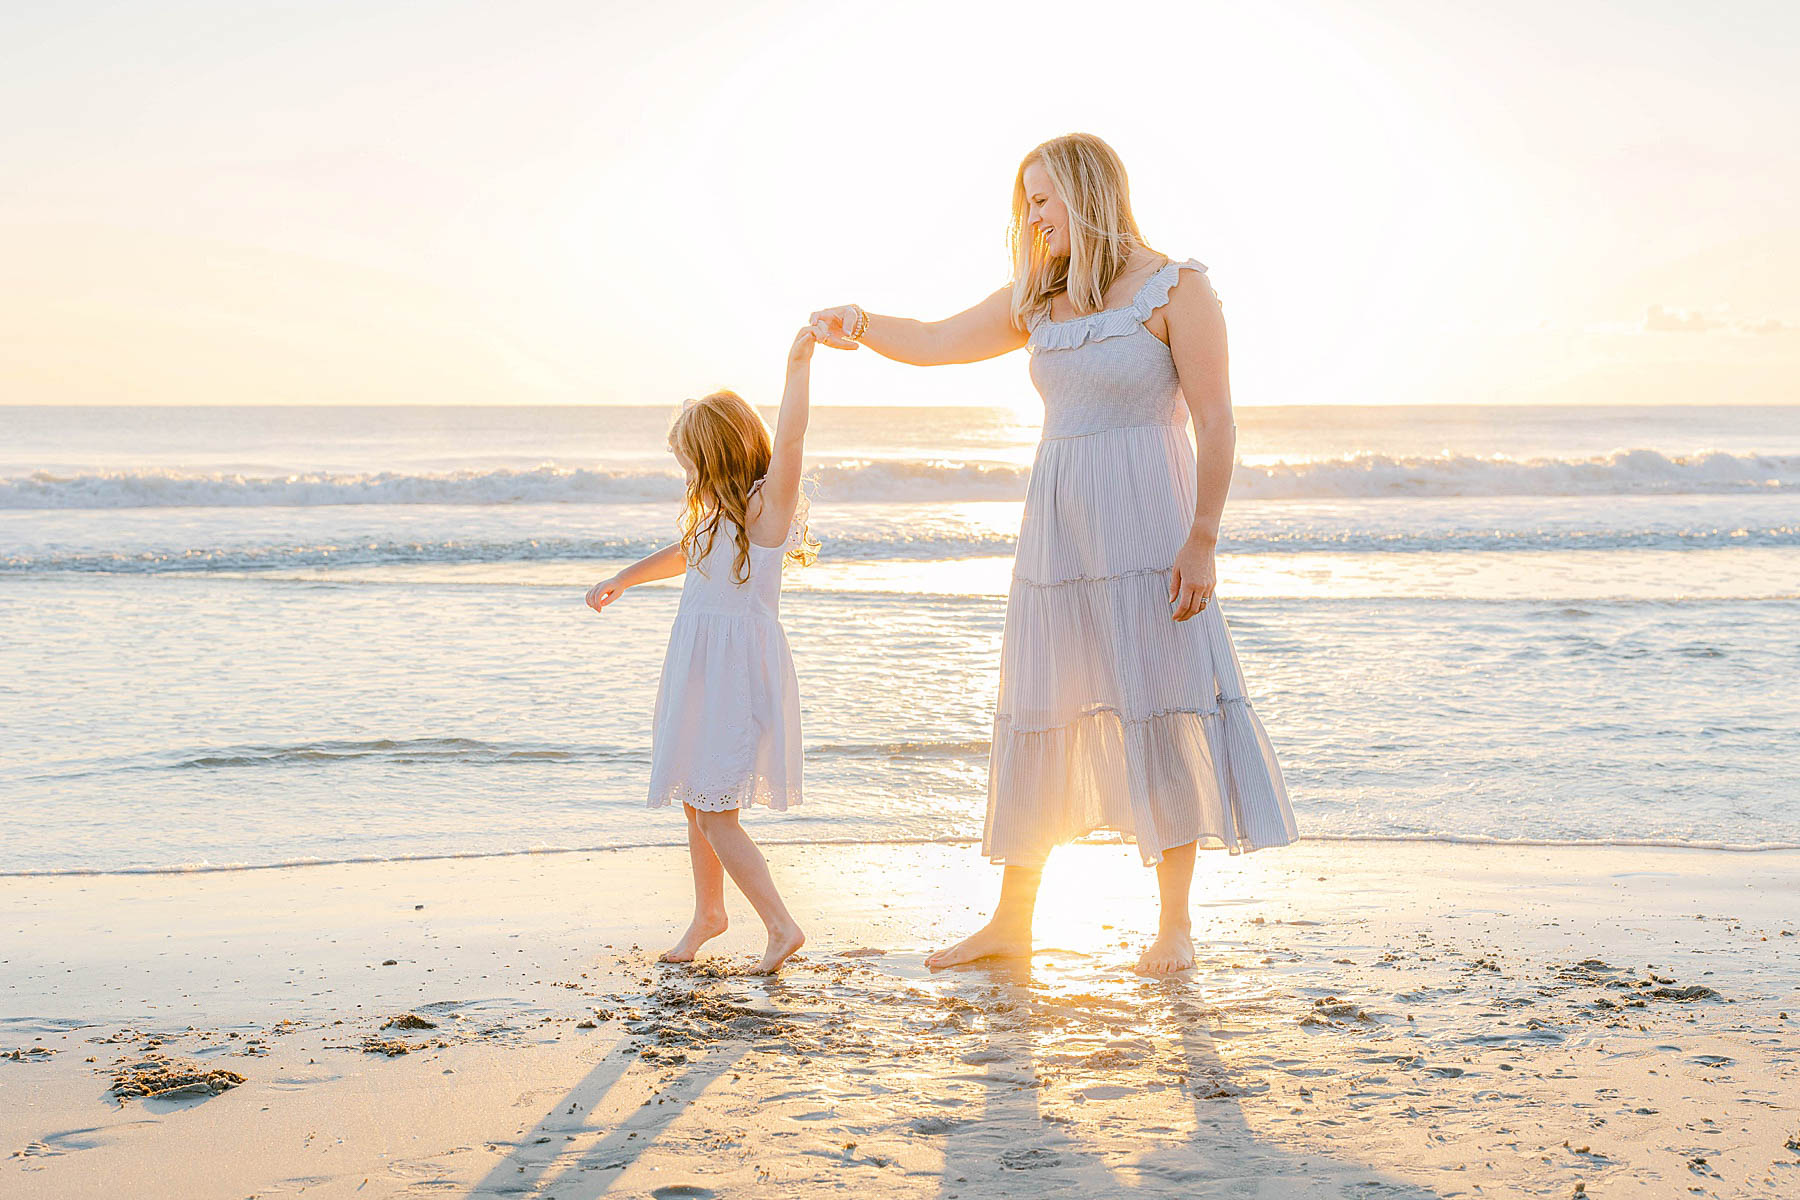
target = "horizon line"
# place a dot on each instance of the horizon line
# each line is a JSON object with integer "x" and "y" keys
{"x": 428, "y": 404}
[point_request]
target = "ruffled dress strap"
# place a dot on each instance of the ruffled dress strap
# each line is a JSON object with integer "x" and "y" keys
{"x": 797, "y": 524}
{"x": 1115, "y": 322}
{"x": 796, "y": 538}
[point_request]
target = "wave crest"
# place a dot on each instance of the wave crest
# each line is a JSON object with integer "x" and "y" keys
{"x": 1627, "y": 472}
{"x": 1624, "y": 473}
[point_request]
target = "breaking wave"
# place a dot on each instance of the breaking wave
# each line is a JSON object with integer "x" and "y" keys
{"x": 1627, "y": 472}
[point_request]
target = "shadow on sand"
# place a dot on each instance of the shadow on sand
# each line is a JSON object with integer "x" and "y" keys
{"x": 875, "y": 1077}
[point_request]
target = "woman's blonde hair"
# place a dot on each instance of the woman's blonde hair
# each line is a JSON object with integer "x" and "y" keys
{"x": 1090, "y": 178}
{"x": 729, "y": 448}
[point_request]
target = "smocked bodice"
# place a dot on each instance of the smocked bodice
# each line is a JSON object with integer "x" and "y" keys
{"x": 709, "y": 586}
{"x": 1105, "y": 370}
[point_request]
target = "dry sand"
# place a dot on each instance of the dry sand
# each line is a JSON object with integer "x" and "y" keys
{"x": 1369, "y": 1020}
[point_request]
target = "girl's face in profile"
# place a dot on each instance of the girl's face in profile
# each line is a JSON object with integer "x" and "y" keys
{"x": 1045, "y": 211}
{"x": 687, "y": 468}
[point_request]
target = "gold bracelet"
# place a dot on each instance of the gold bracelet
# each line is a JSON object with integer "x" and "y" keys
{"x": 862, "y": 323}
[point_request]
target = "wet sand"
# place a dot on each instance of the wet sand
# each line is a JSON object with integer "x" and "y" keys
{"x": 1375, "y": 1019}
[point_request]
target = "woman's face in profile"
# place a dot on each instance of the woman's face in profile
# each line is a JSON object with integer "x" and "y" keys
{"x": 1045, "y": 212}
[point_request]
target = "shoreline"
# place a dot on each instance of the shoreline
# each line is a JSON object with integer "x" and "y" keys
{"x": 1354, "y": 839}
{"x": 1404, "y": 1020}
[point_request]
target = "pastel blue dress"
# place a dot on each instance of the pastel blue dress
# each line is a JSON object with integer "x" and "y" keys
{"x": 1111, "y": 714}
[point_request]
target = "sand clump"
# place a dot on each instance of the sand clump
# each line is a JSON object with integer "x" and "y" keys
{"x": 678, "y": 1019}
{"x": 410, "y": 1021}
{"x": 1632, "y": 990}
{"x": 159, "y": 1077}
{"x": 28, "y": 1054}
{"x": 1331, "y": 1009}
{"x": 392, "y": 1047}
{"x": 1692, "y": 992}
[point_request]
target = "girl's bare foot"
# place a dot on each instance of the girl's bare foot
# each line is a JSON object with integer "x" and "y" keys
{"x": 704, "y": 929}
{"x": 990, "y": 941}
{"x": 1172, "y": 951}
{"x": 782, "y": 944}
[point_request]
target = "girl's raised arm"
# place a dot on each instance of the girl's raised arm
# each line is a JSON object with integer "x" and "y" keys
{"x": 781, "y": 486}
{"x": 984, "y": 331}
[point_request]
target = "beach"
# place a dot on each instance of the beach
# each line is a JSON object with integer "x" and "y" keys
{"x": 1388, "y": 1019}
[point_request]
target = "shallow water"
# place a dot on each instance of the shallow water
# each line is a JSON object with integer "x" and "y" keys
{"x": 243, "y": 637}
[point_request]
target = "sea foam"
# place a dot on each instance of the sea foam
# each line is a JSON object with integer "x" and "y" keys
{"x": 1626, "y": 472}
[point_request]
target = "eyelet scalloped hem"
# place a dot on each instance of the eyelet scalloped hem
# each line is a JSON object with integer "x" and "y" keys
{"x": 749, "y": 793}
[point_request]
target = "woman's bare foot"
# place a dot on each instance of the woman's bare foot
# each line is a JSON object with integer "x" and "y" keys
{"x": 703, "y": 930}
{"x": 1172, "y": 951}
{"x": 782, "y": 944}
{"x": 990, "y": 941}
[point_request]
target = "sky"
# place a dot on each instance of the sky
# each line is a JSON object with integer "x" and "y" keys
{"x": 550, "y": 201}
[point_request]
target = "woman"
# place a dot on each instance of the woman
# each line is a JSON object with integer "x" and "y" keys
{"x": 1121, "y": 702}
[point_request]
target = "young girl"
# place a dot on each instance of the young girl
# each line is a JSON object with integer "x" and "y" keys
{"x": 727, "y": 727}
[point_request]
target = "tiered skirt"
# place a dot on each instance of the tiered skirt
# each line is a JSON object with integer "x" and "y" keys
{"x": 1112, "y": 715}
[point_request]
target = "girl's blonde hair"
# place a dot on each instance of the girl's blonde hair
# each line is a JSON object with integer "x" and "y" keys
{"x": 729, "y": 447}
{"x": 1090, "y": 178}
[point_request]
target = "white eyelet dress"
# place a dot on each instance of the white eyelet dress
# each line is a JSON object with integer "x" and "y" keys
{"x": 727, "y": 726}
{"x": 1112, "y": 715}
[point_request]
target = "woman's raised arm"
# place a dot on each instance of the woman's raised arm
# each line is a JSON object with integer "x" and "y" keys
{"x": 984, "y": 331}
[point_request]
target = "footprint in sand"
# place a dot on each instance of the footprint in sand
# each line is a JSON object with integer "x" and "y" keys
{"x": 987, "y": 1054}
{"x": 692, "y": 1191}
{"x": 1030, "y": 1158}
{"x": 69, "y": 1140}
{"x": 932, "y": 1126}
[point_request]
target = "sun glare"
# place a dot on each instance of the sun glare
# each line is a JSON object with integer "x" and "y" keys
{"x": 629, "y": 201}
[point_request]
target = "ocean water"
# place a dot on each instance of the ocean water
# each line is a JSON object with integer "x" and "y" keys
{"x": 247, "y": 637}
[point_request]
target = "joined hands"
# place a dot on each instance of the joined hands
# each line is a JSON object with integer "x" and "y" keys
{"x": 833, "y": 325}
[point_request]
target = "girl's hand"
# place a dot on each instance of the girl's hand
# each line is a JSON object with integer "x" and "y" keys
{"x": 604, "y": 593}
{"x": 1192, "y": 581}
{"x": 801, "y": 352}
{"x": 833, "y": 324}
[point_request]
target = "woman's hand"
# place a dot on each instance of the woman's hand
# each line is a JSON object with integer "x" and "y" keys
{"x": 833, "y": 325}
{"x": 1192, "y": 581}
{"x": 604, "y": 593}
